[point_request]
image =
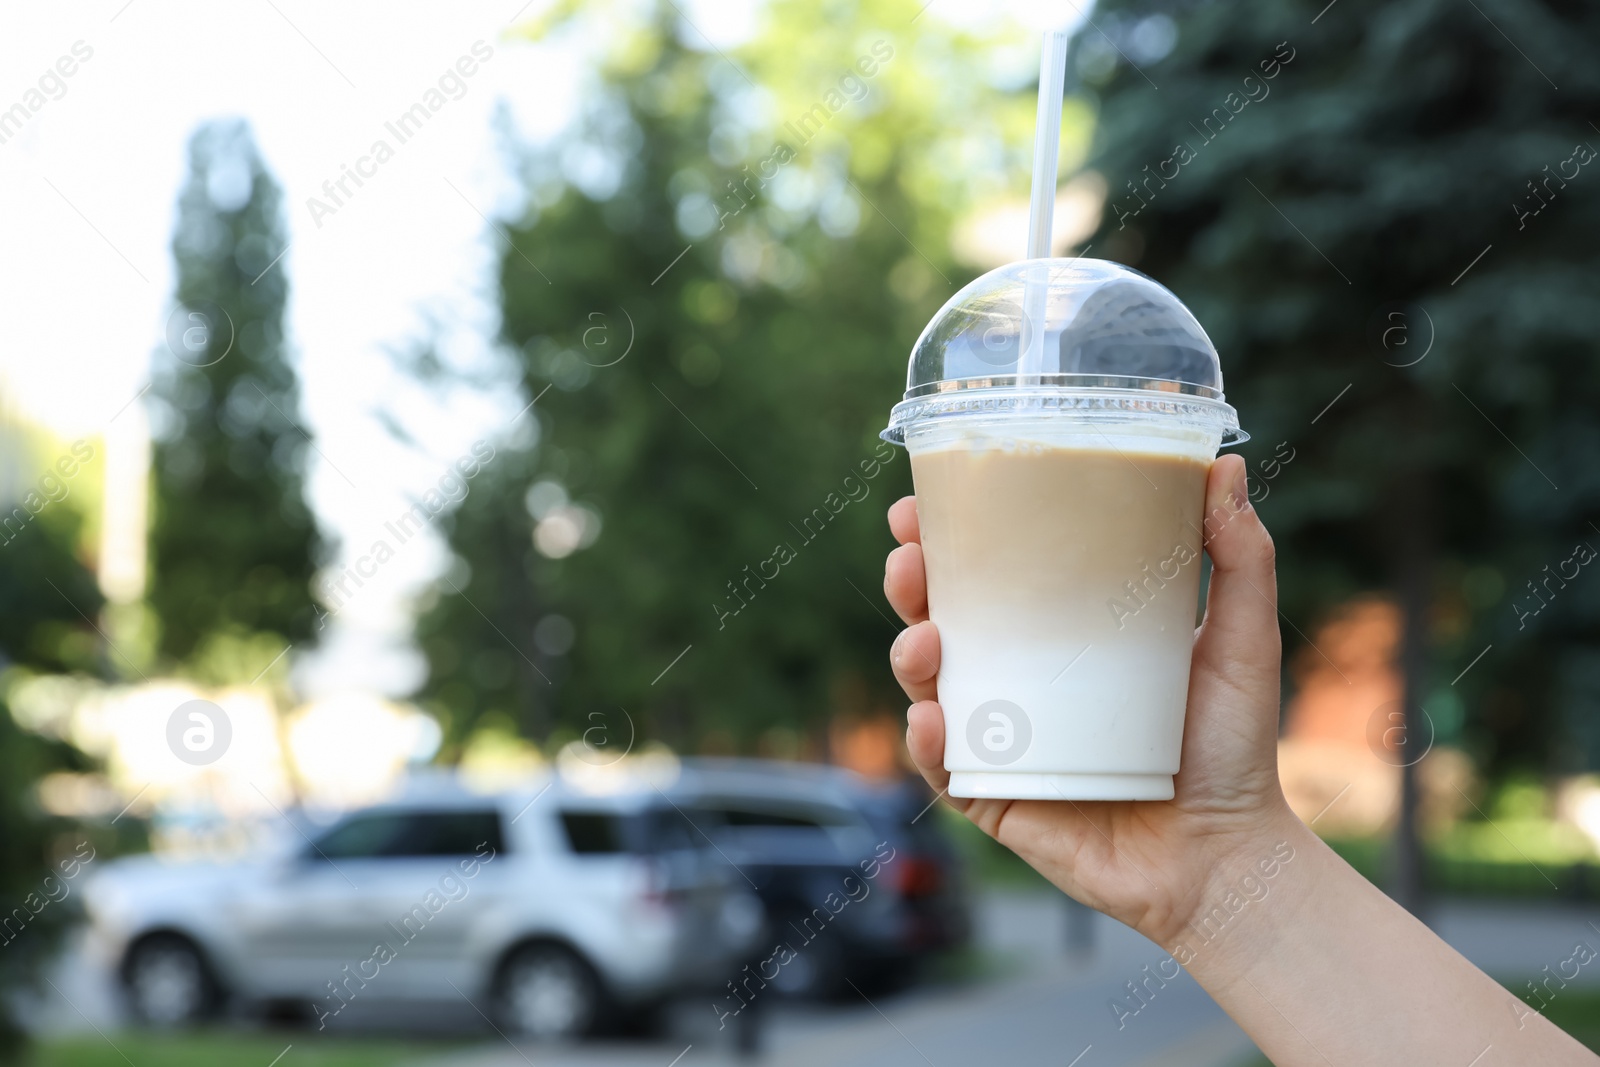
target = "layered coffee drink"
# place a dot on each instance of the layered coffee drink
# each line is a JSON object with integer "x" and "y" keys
{"x": 1063, "y": 576}
{"x": 1062, "y": 417}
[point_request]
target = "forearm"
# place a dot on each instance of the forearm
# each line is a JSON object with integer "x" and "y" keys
{"x": 1321, "y": 968}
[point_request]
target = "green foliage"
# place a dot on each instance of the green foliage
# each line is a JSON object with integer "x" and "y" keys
{"x": 47, "y": 599}
{"x": 1577, "y": 1011}
{"x": 722, "y": 453}
{"x": 1393, "y": 148}
{"x": 29, "y": 842}
{"x": 1362, "y": 179}
{"x": 232, "y": 541}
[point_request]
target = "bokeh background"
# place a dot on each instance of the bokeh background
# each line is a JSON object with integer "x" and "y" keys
{"x": 446, "y": 453}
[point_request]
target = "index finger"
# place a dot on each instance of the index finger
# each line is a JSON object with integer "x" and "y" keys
{"x": 903, "y": 520}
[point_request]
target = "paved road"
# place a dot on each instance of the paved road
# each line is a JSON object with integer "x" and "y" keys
{"x": 1045, "y": 1006}
{"x": 1041, "y": 1005}
{"x": 1051, "y": 1009}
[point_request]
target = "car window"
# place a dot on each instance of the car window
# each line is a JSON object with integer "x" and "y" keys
{"x": 738, "y": 817}
{"x": 454, "y": 833}
{"x": 361, "y": 836}
{"x": 399, "y": 834}
{"x": 808, "y": 817}
{"x": 671, "y": 830}
{"x": 591, "y": 833}
{"x": 651, "y": 831}
{"x": 781, "y": 830}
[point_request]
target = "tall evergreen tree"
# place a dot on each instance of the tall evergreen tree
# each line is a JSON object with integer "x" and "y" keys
{"x": 1394, "y": 223}
{"x": 232, "y": 541}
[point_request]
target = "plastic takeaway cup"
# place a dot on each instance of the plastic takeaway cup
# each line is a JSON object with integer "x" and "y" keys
{"x": 1062, "y": 417}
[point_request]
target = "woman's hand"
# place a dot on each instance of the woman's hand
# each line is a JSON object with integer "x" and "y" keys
{"x": 1148, "y": 863}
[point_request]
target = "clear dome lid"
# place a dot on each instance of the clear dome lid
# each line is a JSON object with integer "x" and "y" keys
{"x": 1081, "y": 336}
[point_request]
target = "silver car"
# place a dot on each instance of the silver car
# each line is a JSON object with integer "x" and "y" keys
{"x": 549, "y": 910}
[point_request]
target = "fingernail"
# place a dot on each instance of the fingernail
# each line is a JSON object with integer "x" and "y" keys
{"x": 896, "y": 651}
{"x": 1241, "y": 489}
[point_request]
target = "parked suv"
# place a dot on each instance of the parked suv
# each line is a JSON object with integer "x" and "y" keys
{"x": 856, "y": 879}
{"x": 547, "y": 909}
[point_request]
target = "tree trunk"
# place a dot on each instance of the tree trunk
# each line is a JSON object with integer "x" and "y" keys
{"x": 1412, "y": 557}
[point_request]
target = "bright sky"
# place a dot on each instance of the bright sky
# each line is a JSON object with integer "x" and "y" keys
{"x": 90, "y": 185}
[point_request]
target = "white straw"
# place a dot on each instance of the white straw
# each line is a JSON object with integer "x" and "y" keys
{"x": 1047, "y": 142}
{"x": 1041, "y": 210}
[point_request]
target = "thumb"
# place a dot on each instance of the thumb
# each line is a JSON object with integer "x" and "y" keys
{"x": 1242, "y": 604}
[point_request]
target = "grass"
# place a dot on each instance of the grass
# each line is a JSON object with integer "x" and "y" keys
{"x": 240, "y": 1049}
{"x": 1453, "y": 871}
{"x": 1575, "y": 1011}
{"x": 1578, "y": 1013}
{"x": 1468, "y": 862}
{"x": 968, "y": 965}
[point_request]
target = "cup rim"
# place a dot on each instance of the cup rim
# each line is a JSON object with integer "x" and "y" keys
{"x": 1065, "y": 383}
{"x": 1067, "y": 395}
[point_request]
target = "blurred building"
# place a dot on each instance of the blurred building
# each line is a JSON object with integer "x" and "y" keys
{"x": 873, "y": 746}
{"x": 1344, "y": 741}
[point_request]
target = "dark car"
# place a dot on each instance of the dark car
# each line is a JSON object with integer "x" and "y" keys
{"x": 857, "y": 882}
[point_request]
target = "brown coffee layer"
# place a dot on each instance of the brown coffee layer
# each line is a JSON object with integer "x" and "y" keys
{"x": 1067, "y": 546}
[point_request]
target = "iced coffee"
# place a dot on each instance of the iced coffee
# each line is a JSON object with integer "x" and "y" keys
{"x": 1061, "y": 515}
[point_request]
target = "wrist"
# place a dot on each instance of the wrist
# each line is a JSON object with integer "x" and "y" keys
{"x": 1235, "y": 873}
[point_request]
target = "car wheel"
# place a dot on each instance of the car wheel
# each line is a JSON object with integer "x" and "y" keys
{"x": 168, "y": 983}
{"x": 813, "y": 972}
{"x": 549, "y": 993}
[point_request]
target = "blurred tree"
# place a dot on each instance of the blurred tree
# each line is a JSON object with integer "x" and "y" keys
{"x": 1377, "y": 212}
{"x": 232, "y": 541}
{"x": 31, "y": 843}
{"x": 47, "y": 599}
{"x": 717, "y": 281}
